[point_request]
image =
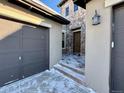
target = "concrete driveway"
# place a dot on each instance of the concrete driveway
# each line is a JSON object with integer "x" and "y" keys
{"x": 46, "y": 82}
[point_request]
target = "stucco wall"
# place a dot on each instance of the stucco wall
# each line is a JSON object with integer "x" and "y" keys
{"x": 98, "y": 46}
{"x": 55, "y": 46}
{"x": 55, "y": 43}
{"x": 55, "y": 39}
{"x": 112, "y": 2}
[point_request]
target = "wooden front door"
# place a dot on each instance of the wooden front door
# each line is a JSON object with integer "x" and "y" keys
{"x": 76, "y": 42}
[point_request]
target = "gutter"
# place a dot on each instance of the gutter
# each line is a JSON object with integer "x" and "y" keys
{"x": 36, "y": 7}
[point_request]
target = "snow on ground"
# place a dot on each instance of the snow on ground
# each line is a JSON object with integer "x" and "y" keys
{"x": 74, "y": 61}
{"x": 46, "y": 82}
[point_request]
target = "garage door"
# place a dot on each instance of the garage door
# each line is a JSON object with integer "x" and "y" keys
{"x": 118, "y": 51}
{"x": 34, "y": 50}
{"x": 24, "y": 51}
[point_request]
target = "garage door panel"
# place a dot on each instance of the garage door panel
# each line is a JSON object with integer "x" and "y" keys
{"x": 9, "y": 75}
{"x": 33, "y": 44}
{"x": 42, "y": 37}
{"x": 33, "y": 68}
{"x": 9, "y": 51}
{"x": 35, "y": 33}
{"x": 35, "y": 58}
{"x": 9, "y": 60}
{"x": 9, "y": 44}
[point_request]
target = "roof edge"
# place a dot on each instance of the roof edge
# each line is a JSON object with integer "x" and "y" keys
{"x": 41, "y": 11}
{"x": 62, "y": 3}
{"x": 81, "y": 3}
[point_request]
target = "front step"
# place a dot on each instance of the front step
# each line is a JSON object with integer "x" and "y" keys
{"x": 80, "y": 71}
{"x": 79, "y": 78}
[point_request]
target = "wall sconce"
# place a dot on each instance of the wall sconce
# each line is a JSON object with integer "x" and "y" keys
{"x": 96, "y": 19}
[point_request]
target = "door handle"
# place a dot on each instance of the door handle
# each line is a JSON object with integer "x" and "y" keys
{"x": 20, "y": 58}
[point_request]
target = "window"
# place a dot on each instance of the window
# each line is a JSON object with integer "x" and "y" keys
{"x": 63, "y": 40}
{"x": 67, "y": 11}
{"x": 75, "y": 7}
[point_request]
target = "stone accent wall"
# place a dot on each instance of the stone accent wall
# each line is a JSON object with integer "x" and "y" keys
{"x": 77, "y": 20}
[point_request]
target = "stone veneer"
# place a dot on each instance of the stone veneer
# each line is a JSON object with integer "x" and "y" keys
{"x": 77, "y": 20}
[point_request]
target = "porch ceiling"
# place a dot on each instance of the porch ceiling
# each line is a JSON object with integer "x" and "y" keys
{"x": 81, "y": 3}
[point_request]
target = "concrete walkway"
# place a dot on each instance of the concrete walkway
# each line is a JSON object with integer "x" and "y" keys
{"x": 46, "y": 82}
{"x": 74, "y": 61}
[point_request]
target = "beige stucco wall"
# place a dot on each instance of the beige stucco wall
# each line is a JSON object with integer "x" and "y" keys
{"x": 55, "y": 43}
{"x": 112, "y": 2}
{"x": 55, "y": 33}
{"x": 55, "y": 37}
{"x": 98, "y": 47}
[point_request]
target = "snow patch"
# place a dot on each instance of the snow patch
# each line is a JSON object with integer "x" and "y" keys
{"x": 74, "y": 61}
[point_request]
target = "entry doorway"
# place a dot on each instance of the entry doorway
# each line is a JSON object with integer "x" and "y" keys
{"x": 77, "y": 42}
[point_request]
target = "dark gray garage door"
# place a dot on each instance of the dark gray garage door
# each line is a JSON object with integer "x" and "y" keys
{"x": 23, "y": 52}
{"x": 118, "y": 51}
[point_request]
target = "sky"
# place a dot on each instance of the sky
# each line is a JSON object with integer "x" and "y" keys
{"x": 52, "y": 4}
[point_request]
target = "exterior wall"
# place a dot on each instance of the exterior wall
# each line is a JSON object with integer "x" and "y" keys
{"x": 55, "y": 43}
{"x": 77, "y": 20}
{"x": 55, "y": 35}
{"x": 98, "y": 49}
{"x": 112, "y": 2}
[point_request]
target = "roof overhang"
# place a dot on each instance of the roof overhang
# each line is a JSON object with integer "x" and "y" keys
{"x": 81, "y": 3}
{"x": 62, "y": 3}
{"x": 41, "y": 10}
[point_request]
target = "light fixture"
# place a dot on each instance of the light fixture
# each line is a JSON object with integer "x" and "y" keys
{"x": 96, "y": 19}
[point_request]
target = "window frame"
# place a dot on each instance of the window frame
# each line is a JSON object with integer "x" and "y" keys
{"x": 67, "y": 11}
{"x": 63, "y": 40}
{"x": 75, "y": 8}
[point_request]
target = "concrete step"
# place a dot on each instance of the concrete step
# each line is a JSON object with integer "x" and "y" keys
{"x": 79, "y": 78}
{"x": 80, "y": 71}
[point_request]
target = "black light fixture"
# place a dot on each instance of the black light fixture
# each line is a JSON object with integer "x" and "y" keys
{"x": 96, "y": 19}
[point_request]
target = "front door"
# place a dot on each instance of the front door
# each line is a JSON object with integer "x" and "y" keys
{"x": 117, "y": 76}
{"x": 76, "y": 42}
